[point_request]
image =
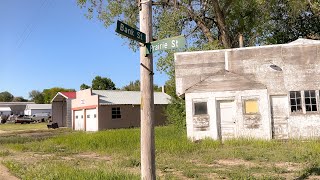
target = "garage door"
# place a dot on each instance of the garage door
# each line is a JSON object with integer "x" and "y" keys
{"x": 92, "y": 120}
{"x": 78, "y": 120}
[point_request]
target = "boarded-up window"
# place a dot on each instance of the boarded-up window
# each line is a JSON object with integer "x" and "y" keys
{"x": 251, "y": 106}
{"x": 200, "y": 108}
{"x": 295, "y": 101}
{"x": 310, "y": 100}
{"x": 116, "y": 113}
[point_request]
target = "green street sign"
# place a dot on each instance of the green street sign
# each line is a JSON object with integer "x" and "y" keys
{"x": 164, "y": 44}
{"x": 130, "y": 32}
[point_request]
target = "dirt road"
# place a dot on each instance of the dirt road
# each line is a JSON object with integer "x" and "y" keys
{"x": 4, "y": 173}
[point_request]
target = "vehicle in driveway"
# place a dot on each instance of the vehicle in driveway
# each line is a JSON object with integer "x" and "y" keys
{"x": 41, "y": 117}
{"x": 23, "y": 119}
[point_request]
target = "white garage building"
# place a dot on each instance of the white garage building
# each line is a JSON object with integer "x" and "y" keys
{"x": 5, "y": 111}
{"x": 95, "y": 110}
{"x": 32, "y": 109}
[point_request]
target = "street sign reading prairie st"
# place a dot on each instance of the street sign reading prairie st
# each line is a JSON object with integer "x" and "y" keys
{"x": 164, "y": 44}
{"x": 130, "y": 32}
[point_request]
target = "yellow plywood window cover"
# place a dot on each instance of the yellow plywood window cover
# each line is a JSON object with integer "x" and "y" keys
{"x": 251, "y": 106}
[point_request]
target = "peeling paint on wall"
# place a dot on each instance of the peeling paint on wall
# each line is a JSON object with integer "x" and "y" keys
{"x": 201, "y": 122}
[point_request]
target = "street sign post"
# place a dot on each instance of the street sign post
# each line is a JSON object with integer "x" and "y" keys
{"x": 148, "y": 170}
{"x": 165, "y": 44}
{"x": 130, "y": 32}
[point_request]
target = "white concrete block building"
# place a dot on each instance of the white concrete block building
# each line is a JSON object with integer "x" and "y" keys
{"x": 255, "y": 92}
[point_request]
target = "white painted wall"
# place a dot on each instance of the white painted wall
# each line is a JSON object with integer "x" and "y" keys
{"x": 31, "y": 112}
{"x": 304, "y": 126}
{"x": 263, "y": 132}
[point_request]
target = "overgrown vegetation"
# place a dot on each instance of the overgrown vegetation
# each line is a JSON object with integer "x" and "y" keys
{"x": 115, "y": 154}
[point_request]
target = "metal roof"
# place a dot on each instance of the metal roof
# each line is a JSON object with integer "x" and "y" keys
{"x": 38, "y": 106}
{"x": 71, "y": 95}
{"x": 15, "y": 103}
{"x": 109, "y": 97}
{"x": 5, "y": 109}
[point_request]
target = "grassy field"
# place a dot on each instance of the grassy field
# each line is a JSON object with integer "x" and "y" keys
{"x": 115, "y": 154}
{"x": 16, "y": 127}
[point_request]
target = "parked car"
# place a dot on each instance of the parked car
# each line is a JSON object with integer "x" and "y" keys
{"x": 23, "y": 119}
{"x": 41, "y": 117}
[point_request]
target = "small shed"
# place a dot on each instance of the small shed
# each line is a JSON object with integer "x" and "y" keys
{"x": 5, "y": 111}
{"x": 95, "y": 110}
{"x": 32, "y": 109}
{"x": 61, "y": 108}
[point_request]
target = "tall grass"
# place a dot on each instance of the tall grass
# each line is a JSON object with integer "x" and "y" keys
{"x": 175, "y": 151}
{"x": 174, "y": 142}
{"x": 61, "y": 170}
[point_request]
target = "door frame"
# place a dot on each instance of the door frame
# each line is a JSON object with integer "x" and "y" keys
{"x": 272, "y": 116}
{"x": 218, "y": 113}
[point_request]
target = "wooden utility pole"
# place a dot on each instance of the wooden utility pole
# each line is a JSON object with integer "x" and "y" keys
{"x": 148, "y": 169}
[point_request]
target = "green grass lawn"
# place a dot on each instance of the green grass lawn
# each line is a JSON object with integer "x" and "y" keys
{"x": 15, "y": 127}
{"x": 115, "y": 154}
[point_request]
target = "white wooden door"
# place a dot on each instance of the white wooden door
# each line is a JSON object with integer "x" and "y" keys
{"x": 279, "y": 114}
{"x": 92, "y": 120}
{"x": 78, "y": 120}
{"x": 226, "y": 119}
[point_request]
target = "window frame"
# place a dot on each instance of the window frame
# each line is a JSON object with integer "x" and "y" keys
{"x": 117, "y": 111}
{"x": 295, "y": 98}
{"x": 250, "y": 99}
{"x": 194, "y": 107}
{"x": 310, "y": 104}
{"x": 303, "y": 102}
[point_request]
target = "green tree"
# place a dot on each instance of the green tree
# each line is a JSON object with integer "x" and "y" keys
{"x": 84, "y": 86}
{"x": 100, "y": 83}
{"x": 6, "y": 97}
{"x": 213, "y": 24}
{"x": 36, "y": 96}
{"x": 135, "y": 86}
{"x": 19, "y": 99}
{"x": 48, "y": 94}
{"x": 290, "y": 20}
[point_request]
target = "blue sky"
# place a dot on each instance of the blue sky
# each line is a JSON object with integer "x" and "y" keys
{"x": 50, "y": 43}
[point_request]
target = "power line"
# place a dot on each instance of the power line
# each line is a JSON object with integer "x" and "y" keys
{"x": 32, "y": 25}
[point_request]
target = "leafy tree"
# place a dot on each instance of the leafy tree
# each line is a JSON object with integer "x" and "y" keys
{"x": 84, "y": 86}
{"x": 99, "y": 83}
{"x": 135, "y": 86}
{"x": 290, "y": 20}
{"x": 6, "y": 97}
{"x": 48, "y": 94}
{"x": 19, "y": 99}
{"x": 36, "y": 96}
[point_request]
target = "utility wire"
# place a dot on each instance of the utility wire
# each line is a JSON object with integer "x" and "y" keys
{"x": 32, "y": 25}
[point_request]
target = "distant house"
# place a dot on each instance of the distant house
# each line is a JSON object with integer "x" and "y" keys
{"x": 5, "y": 111}
{"x": 17, "y": 108}
{"x": 61, "y": 108}
{"x": 32, "y": 109}
{"x": 94, "y": 110}
{"x": 257, "y": 92}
